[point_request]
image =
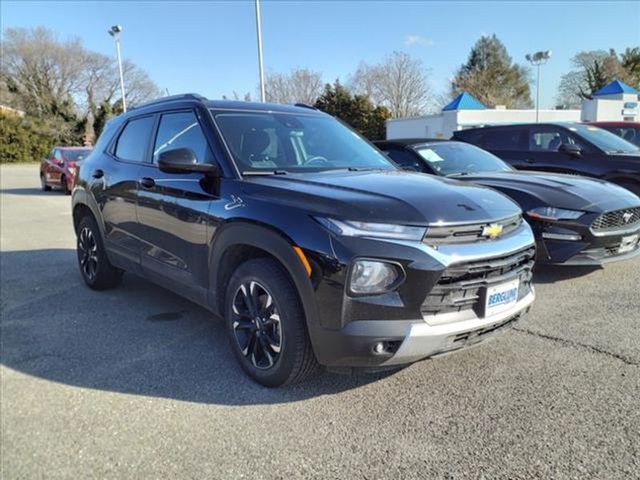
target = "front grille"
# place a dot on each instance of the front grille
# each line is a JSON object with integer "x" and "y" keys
{"x": 461, "y": 286}
{"x": 469, "y": 233}
{"x": 618, "y": 220}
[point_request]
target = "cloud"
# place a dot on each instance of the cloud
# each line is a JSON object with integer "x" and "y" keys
{"x": 418, "y": 40}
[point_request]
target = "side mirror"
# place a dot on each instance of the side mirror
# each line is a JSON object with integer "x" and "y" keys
{"x": 184, "y": 160}
{"x": 570, "y": 149}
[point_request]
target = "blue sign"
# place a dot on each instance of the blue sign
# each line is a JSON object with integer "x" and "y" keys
{"x": 630, "y": 105}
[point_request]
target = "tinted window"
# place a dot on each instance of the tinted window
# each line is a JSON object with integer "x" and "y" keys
{"x": 296, "y": 143}
{"x": 181, "y": 130}
{"x": 604, "y": 140}
{"x": 546, "y": 138}
{"x": 453, "y": 158}
{"x": 134, "y": 139}
{"x": 404, "y": 159}
{"x": 502, "y": 139}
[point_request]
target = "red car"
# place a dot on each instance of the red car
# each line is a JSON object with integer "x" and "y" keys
{"x": 58, "y": 169}
{"x": 630, "y": 131}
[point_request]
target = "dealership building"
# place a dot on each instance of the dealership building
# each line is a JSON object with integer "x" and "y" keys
{"x": 614, "y": 102}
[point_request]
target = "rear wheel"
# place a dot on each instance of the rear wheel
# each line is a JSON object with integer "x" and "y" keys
{"x": 43, "y": 184}
{"x": 266, "y": 324}
{"x": 95, "y": 267}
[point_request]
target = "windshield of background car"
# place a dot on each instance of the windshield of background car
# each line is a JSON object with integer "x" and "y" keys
{"x": 75, "y": 155}
{"x": 604, "y": 140}
{"x": 295, "y": 143}
{"x": 457, "y": 158}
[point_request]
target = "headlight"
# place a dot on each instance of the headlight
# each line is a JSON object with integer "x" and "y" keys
{"x": 553, "y": 213}
{"x": 377, "y": 230}
{"x": 371, "y": 277}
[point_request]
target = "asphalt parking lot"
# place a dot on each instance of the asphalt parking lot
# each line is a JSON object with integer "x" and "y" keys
{"x": 137, "y": 382}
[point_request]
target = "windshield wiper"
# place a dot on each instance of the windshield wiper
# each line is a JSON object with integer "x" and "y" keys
{"x": 264, "y": 172}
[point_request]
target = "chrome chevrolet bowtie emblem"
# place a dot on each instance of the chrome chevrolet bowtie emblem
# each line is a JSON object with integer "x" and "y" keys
{"x": 626, "y": 218}
{"x": 492, "y": 231}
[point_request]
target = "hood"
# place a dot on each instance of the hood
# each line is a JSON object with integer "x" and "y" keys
{"x": 572, "y": 192}
{"x": 385, "y": 197}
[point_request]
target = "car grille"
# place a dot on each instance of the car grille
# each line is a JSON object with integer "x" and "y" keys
{"x": 618, "y": 220}
{"x": 469, "y": 233}
{"x": 461, "y": 286}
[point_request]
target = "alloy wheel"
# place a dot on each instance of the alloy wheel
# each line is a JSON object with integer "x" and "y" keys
{"x": 88, "y": 253}
{"x": 256, "y": 325}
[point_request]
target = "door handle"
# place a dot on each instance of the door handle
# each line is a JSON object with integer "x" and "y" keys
{"x": 147, "y": 182}
{"x": 97, "y": 173}
{"x": 529, "y": 160}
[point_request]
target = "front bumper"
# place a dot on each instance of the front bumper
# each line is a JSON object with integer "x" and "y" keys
{"x": 589, "y": 250}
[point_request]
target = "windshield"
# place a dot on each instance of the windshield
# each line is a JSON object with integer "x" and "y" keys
{"x": 604, "y": 140}
{"x": 453, "y": 158}
{"x": 270, "y": 141}
{"x": 76, "y": 155}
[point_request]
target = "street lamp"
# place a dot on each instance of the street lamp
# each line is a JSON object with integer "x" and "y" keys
{"x": 115, "y": 33}
{"x": 259, "y": 33}
{"x": 537, "y": 59}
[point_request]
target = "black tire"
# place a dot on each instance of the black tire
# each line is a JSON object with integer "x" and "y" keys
{"x": 95, "y": 268}
{"x": 43, "y": 184}
{"x": 280, "y": 352}
{"x": 64, "y": 186}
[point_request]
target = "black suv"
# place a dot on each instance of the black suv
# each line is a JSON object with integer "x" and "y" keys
{"x": 311, "y": 244}
{"x": 573, "y": 148}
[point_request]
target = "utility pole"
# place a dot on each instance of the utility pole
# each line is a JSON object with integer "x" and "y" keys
{"x": 537, "y": 59}
{"x": 115, "y": 33}
{"x": 260, "y": 67}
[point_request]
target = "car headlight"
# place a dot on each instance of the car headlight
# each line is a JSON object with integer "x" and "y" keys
{"x": 377, "y": 230}
{"x": 553, "y": 213}
{"x": 374, "y": 277}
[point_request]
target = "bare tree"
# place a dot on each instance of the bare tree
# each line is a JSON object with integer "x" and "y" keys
{"x": 42, "y": 72}
{"x": 300, "y": 86}
{"x": 400, "y": 83}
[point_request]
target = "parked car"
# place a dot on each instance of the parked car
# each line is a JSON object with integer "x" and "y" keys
{"x": 305, "y": 238}
{"x": 630, "y": 131}
{"x": 572, "y": 148}
{"x": 576, "y": 220}
{"x": 58, "y": 169}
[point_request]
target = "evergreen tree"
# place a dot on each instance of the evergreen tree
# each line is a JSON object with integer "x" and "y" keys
{"x": 492, "y": 77}
{"x": 356, "y": 110}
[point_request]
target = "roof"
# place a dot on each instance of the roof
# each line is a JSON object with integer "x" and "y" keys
{"x": 464, "y": 101}
{"x": 616, "y": 124}
{"x": 225, "y": 104}
{"x": 615, "y": 87}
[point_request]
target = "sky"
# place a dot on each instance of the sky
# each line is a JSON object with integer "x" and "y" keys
{"x": 209, "y": 47}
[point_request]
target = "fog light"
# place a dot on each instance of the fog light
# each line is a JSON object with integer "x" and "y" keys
{"x": 378, "y": 348}
{"x": 369, "y": 276}
{"x": 572, "y": 237}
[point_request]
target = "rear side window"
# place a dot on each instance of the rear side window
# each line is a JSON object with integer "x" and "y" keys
{"x": 499, "y": 139}
{"x": 181, "y": 130}
{"x": 133, "y": 141}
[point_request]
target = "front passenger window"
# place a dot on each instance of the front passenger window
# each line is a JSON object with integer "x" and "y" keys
{"x": 181, "y": 130}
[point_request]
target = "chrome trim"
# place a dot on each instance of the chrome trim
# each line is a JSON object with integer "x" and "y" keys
{"x": 520, "y": 239}
{"x": 423, "y": 340}
{"x": 631, "y": 231}
{"x": 513, "y": 216}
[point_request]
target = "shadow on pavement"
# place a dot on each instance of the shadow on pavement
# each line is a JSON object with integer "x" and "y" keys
{"x": 138, "y": 338}
{"x": 30, "y": 191}
{"x": 556, "y": 273}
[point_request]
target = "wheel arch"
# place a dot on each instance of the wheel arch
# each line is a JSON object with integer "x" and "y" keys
{"x": 240, "y": 241}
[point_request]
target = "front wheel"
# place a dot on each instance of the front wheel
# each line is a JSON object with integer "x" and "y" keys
{"x": 266, "y": 324}
{"x": 95, "y": 268}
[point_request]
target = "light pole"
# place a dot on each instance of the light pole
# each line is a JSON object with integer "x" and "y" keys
{"x": 115, "y": 33}
{"x": 259, "y": 33}
{"x": 537, "y": 59}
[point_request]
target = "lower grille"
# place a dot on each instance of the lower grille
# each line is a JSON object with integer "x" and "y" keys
{"x": 618, "y": 220}
{"x": 461, "y": 286}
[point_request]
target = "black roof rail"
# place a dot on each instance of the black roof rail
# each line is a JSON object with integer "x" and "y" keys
{"x": 304, "y": 105}
{"x": 172, "y": 98}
